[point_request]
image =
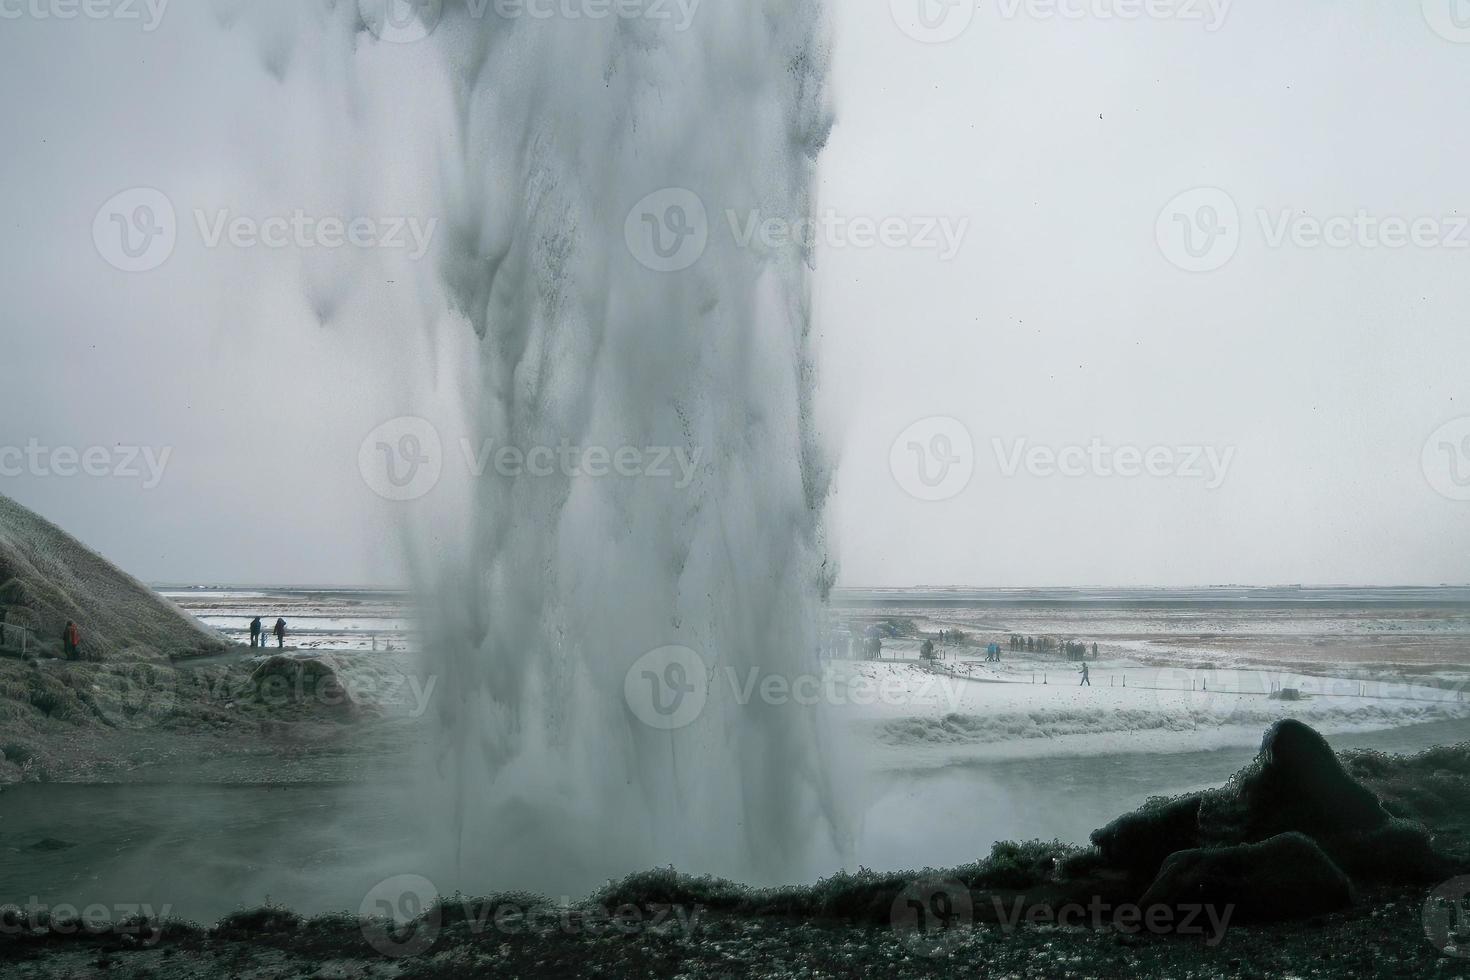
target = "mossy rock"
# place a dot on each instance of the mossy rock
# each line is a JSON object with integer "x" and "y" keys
{"x": 309, "y": 681}
{"x": 1284, "y": 877}
{"x": 1140, "y": 841}
{"x": 1296, "y": 784}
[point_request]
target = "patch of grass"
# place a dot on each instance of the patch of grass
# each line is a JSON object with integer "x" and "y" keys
{"x": 861, "y": 896}
{"x": 1432, "y": 786}
{"x": 29, "y": 935}
{"x": 478, "y": 911}
{"x": 18, "y": 753}
{"x": 257, "y": 922}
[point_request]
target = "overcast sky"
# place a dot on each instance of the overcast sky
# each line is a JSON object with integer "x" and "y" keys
{"x": 1220, "y": 248}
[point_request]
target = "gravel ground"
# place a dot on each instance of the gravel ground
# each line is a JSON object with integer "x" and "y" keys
{"x": 1386, "y": 939}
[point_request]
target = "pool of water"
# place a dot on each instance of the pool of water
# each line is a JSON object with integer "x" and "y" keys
{"x": 947, "y": 816}
{"x": 202, "y": 851}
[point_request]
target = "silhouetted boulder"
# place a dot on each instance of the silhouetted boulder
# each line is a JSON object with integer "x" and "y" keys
{"x": 1295, "y": 787}
{"x": 1300, "y": 785}
{"x": 1398, "y": 851}
{"x": 1285, "y": 877}
{"x": 1140, "y": 841}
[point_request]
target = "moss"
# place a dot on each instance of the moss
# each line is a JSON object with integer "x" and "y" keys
{"x": 864, "y": 895}
{"x": 1287, "y": 876}
{"x": 1023, "y": 865}
{"x": 18, "y": 753}
{"x": 1082, "y": 863}
{"x": 451, "y": 911}
{"x": 1400, "y": 851}
{"x": 1139, "y": 841}
{"x": 1433, "y": 786}
{"x": 265, "y": 920}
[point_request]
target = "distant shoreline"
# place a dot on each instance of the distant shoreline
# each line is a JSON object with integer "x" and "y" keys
{"x": 1004, "y": 595}
{"x": 1241, "y": 597}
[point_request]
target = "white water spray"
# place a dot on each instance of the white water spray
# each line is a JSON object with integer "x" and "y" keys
{"x": 574, "y": 139}
{"x": 586, "y": 300}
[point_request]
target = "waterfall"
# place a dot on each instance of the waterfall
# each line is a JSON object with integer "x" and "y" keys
{"x": 639, "y": 566}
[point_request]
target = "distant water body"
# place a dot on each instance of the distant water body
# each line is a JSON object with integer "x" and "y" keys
{"x": 1237, "y": 596}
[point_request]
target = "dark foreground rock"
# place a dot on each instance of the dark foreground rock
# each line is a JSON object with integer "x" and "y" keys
{"x": 1295, "y": 793}
{"x": 1300, "y": 785}
{"x": 1140, "y": 842}
{"x": 1287, "y": 876}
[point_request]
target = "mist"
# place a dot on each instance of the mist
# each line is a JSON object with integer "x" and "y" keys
{"x": 1054, "y": 142}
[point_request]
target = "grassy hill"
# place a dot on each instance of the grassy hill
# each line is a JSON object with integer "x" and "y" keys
{"x": 47, "y": 577}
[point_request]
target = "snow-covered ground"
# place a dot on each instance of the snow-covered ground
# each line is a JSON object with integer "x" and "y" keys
{"x": 915, "y": 715}
{"x": 317, "y": 619}
{"x": 1173, "y": 677}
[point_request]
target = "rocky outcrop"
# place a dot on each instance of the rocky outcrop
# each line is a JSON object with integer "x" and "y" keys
{"x": 283, "y": 681}
{"x": 1140, "y": 841}
{"x": 1300, "y": 785}
{"x": 1284, "y": 877}
{"x": 1294, "y": 804}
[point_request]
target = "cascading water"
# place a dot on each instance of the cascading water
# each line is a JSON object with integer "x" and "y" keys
{"x": 624, "y": 657}
{"x": 587, "y": 247}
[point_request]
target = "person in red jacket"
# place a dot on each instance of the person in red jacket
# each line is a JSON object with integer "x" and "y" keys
{"x": 71, "y": 641}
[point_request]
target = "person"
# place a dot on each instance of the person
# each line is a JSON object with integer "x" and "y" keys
{"x": 280, "y": 634}
{"x": 1094, "y": 650}
{"x": 255, "y": 630}
{"x": 71, "y": 641}
{"x": 926, "y": 652}
{"x": 1086, "y": 676}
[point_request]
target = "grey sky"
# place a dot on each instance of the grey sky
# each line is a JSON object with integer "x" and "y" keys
{"x": 1054, "y": 142}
